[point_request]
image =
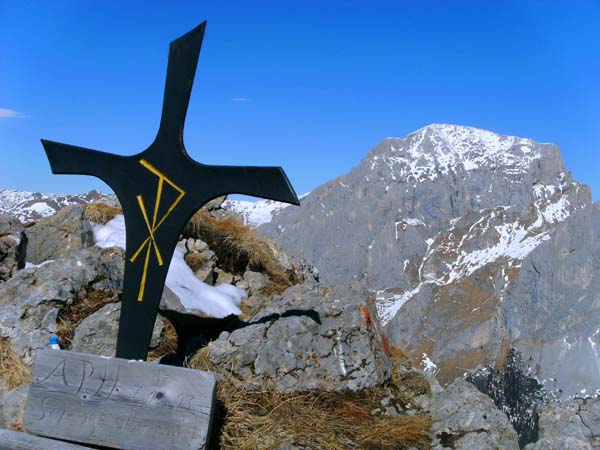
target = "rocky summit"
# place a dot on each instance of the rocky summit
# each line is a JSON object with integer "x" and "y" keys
{"x": 473, "y": 242}
{"x": 445, "y": 294}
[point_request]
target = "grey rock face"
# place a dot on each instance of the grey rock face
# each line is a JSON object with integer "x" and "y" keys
{"x": 349, "y": 226}
{"x": 252, "y": 282}
{"x": 97, "y": 333}
{"x": 58, "y": 236}
{"x": 12, "y": 405}
{"x": 307, "y": 339}
{"x": 545, "y": 305}
{"x": 473, "y": 242}
{"x": 13, "y": 244}
{"x": 31, "y": 299}
{"x": 466, "y": 419}
{"x": 515, "y": 392}
{"x": 569, "y": 425}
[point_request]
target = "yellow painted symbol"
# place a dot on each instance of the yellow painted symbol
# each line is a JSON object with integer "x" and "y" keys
{"x": 150, "y": 242}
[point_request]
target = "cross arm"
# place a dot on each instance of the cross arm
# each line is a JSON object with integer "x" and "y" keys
{"x": 183, "y": 59}
{"x": 69, "y": 159}
{"x": 264, "y": 182}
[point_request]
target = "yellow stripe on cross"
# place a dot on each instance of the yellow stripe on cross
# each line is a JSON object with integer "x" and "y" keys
{"x": 150, "y": 241}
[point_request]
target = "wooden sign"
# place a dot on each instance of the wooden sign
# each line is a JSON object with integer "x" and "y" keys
{"x": 160, "y": 189}
{"x": 117, "y": 403}
{"x": 13, "y": 440}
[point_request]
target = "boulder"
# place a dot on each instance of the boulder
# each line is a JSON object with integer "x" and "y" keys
{"x": 215, "y": 203}
{"x": 252, "y": 282}
{"x": 13, "y": 244}
{"x": 97, "y": 333}
{"x": 466, "y": 419}
{"x": 306, "y": 339}
{"x": 32, "y": 298}
{"x": 569, "y": 425}
{"x": 59, "y": 236}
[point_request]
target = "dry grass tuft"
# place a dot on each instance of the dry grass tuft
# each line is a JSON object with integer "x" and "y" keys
{"x": 194, "y": 260}
{"x": 413, "y": 382}
{"x": 169, "y": 341}
{"x": 100, "y": 212}
{"x": 261, "y": 419}
{"x": 200, "y": 361}
{"x": 407, "y": 431}
{"x": 409, "y": 383}
{"x": 250, "y": 308}
{"x": 17, "y": 425}
{"x": 238, "y": 248}
{"x": 400, "y": 356}
{"x": 71, "y": 315}
{"x": 13, "y": 370}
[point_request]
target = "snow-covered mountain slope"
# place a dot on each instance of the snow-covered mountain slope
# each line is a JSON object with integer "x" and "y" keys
{"x": 438, "y": 150}
{"x": 29, "y": 206}
{"x": 448, "y": 227}
{"x": 256, "y": 213}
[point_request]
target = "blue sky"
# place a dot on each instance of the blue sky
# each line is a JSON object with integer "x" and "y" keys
{"x": 307, "y": 85}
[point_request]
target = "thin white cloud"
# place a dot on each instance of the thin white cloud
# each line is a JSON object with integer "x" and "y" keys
{"x": 11, "y": 114}
{"x": 241, "y": 99}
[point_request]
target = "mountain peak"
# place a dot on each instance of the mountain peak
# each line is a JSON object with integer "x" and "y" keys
{"x": 440, "y": 149}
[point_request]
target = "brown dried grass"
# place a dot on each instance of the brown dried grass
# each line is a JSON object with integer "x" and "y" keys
{"x": 195, "y": 261}
{"x": 261, "y": 419}
{"x": 71, "y": 315}
{"x": 100, "y": 212}
{"x": 17, "y": 425}
{"x": 400, "y": 356}
{"x": 238, "y": 248}
{"x": 13, "y": 370}
{"x": 169, "y": 341}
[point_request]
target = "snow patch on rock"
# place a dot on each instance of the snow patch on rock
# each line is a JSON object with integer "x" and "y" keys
{"x": 511, "y": 238}
{"x": 219, "y": 301}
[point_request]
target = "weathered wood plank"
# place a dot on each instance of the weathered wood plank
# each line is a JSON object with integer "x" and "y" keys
{"x": 13, "y": 440}
{"x": 130, "y": 405}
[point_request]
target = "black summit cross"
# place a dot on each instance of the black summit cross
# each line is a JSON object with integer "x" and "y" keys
{"x": 159, "y": 190}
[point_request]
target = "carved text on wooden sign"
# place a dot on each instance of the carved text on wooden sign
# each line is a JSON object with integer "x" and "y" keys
{"x": 119, "y": 403}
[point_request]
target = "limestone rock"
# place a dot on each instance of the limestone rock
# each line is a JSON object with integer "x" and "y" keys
{"x": 32, "y": 298}
{"x": 306, "y": 339}
{"x": 252, "y": 282}
{"x": 473, "y": 241}
{"x": 201, "y": 260}
{"x": 223, "y": 277}
{"x": 58, "y": 236}
{"x": 97, "y": 333}
{"x": 12, "y": 404}
{"x": 515, "y": 391}
{"x": 13, "y": 244}
{"x": 569, "y": 425}
{"x": 215, "y": 203}
{"x": 466, "y": 419}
